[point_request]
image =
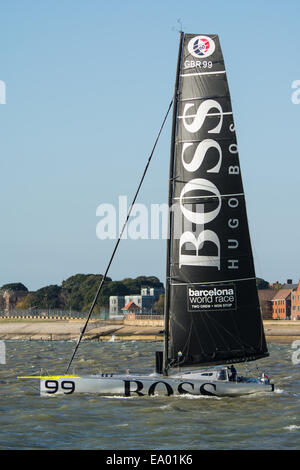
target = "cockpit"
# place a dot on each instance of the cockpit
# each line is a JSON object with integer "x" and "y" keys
{"x": 222, "y": 374}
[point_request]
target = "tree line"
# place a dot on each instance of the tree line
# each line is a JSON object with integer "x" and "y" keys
{"x": 78, "y": 292}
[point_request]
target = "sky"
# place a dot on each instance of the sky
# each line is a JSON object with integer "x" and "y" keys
{"x": 87, "y": 84}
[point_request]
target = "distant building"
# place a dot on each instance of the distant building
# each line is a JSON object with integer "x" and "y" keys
{"x": 295, "y": 303}
{"x": 153, "y": 291}
{"x": 144, "y": 301}
{"x": 286, "y": 302}
{"x": 131, "y": 307}
{"x": 116, "y": 303}
{"x": 289, "y": 284}
{"x": 11, "y": 298}
{"x": 265, "y": 301}
{"x": 282, "y": 304}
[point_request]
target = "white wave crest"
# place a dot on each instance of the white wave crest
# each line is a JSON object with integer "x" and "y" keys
{"x": 292, "y": 427}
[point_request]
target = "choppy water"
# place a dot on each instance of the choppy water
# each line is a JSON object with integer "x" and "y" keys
{"x": 28, "y": 421}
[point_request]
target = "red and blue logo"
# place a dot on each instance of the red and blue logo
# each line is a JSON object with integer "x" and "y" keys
{"x": 201, "y": 46}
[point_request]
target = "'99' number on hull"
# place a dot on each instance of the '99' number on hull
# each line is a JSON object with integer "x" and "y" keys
{"x": 67, "y": 386}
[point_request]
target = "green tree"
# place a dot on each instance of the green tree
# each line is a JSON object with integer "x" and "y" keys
{"x": 14, "y": 286}
{"x": 277, "y": 285}
{"x": 134, "y": 285}
{"x": 78, "y": 292}
{"x": 27, "y": 302}
{"x": 159, "y": 304}
{"x": 48, "y": 297}
{"x": 262, "y": 284}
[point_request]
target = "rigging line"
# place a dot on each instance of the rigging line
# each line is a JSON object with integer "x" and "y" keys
{"x": 120, "y": 236}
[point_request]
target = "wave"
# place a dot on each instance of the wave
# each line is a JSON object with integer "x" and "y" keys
{"x": 292, "y": 427}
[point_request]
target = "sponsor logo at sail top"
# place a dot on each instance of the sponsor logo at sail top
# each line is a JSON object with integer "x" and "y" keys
{"x": 211, "y": 298}
{"x": 201, "y": 46}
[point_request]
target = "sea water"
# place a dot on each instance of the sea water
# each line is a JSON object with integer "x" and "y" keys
{"x": 78, "y": 422}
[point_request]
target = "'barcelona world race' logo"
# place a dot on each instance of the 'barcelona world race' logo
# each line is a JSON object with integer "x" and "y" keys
{"x": 201, "y": 46}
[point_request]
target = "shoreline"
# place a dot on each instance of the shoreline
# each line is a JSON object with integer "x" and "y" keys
{"x": 68, "y": 330}
{"x": 279, "y": 331}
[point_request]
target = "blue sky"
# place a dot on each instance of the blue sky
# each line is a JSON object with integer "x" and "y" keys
{"x": 87, "y": 85}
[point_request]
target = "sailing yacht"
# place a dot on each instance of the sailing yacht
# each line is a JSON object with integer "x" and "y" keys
{"x": 212, "y": 312}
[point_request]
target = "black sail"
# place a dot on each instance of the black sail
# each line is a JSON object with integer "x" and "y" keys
{"x": 213, "y": 309}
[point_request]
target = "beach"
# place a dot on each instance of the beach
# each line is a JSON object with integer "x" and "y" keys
{"x": 64, "y": 330}
{"x": 146, "y": 330}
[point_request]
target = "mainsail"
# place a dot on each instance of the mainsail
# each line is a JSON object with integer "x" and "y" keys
{"x": 212, "y": 308}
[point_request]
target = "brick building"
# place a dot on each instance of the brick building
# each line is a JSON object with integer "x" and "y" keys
{"x": 282, "y": 304}
{"x": 265, "y": 301}
{"x": 295, "y": 303}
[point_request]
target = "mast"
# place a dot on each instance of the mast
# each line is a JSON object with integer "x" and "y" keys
{"x": 170, "y": 218}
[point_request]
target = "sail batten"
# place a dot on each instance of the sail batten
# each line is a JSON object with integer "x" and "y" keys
{"x": 213, "y": 311}
{"x": 209, "y": 283}
{"x": 201, "y": 73}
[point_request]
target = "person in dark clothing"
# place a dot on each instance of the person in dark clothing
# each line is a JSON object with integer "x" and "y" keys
{"x": 232, "y": 369}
